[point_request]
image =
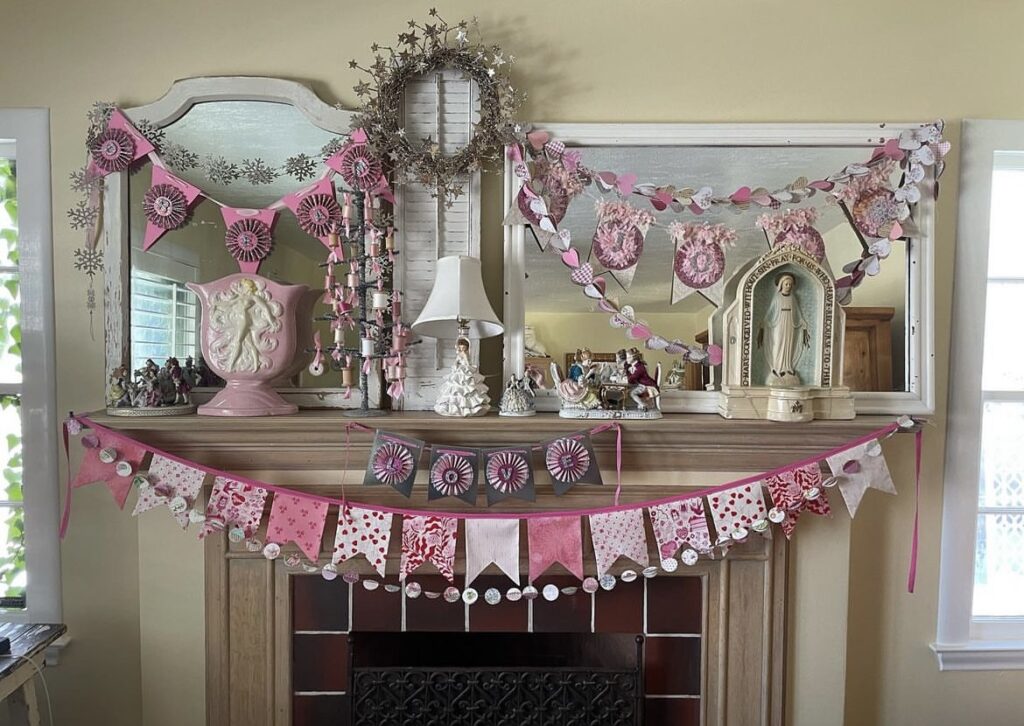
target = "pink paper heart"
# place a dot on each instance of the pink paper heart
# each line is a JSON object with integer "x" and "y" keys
{"x": 607, "y": 305}
{"x": 555, "y": 148}
{"x": 656, "y": 342}
{"x": 896, "y": 231}
{"x": 741, "y": 195}
{"x": 661, "y": 200}
{"x": 538, "y": 138}
{"x": 715, "y": 355}
{"x": 606, "y": 180}
{"x": 639, "y": 332}
{"x": 571, "y": 258}
{"x": 582, "y": 275}
{"x": 892, "y": 150}
{"x": 625, "y": 184}
{"x": 822, "y": 185}
{"x": 763, "y": 200}
{"x": 595, "y": 289}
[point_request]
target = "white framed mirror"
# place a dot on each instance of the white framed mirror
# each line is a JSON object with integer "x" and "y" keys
{"x": 889, "y": 358}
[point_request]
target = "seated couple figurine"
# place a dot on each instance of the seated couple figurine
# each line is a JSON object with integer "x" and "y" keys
{"x": 593, "y": 389}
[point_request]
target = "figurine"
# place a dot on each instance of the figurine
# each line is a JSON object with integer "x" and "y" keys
{"x": 645, "y": 390}
{"x": 788, "y": 335}
{"x": 533, "y": 347}
{"x": 190, "y": 373}
{"x": 575, "y": 372}
{"x": 517, "y": 400}
{"x": 119, "y": 392}
{"x": 463, "y": 392}
{"x": 677, "y": 375}
{"x": 150, "y": 391}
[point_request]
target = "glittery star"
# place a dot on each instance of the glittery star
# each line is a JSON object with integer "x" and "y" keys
{"x": 499, "y": 59}
{"x": 461, "y": 37}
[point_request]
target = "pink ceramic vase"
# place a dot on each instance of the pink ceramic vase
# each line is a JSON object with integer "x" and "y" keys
{"x": 248, "y": 339}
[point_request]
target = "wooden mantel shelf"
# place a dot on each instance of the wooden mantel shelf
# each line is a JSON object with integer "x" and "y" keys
{"x": 314, "y": 439}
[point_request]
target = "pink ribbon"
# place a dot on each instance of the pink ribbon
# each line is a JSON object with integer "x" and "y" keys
{"x": 65, "y": 518}
{"x": 319, "y": 358}
{"x": 912, "y": 570}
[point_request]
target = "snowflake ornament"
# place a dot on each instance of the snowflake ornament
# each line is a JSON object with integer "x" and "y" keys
{"x": 332, "y": 147}
{"x": 219, "y": 170}
{"x": 153, "y": 133}
{"x": 84, "y": 182}
{"x": 83, "y": 215}
{"x": 180, "y": 158}
{"x": 88, "y": 261}
{"x": 256, "y": 172}
{"x": 300, "y": 166}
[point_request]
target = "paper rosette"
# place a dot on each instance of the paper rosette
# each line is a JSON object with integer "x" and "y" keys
{"x": 249, "y": 235}
{"x": 699, "y": 261}
{"x": 619, "y": 238}
{"x": 360, "y": 168}
{"x": 393, "y": 462}
{"x": 166, "y": 205}
{"x": 316, "y": 209}
{"x": 117, "y": 147}
{"x": 509, "y": 473}
{"x": 453, "y": 474}
{"x": 571, "y": 460}
{"x": 794, "y": 228}
{"x": 544, "y": 198}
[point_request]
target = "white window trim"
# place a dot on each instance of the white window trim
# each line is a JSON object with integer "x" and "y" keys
{"x": 964, "y": 643}
{"x": 29, "y": 128}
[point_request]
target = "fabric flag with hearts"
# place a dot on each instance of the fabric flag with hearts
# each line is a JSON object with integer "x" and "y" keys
{"x": 795, "y": 491}
{"x": 431, "y": 540}
{"x": 234, "y": 504}
{"x": 393, "y": 462}
{"x": 859, "y": 469}
{"x": 737, "y": 510}
{"x": 570, "y": 460}
{"x": 679, "y": 524}
{"x": 508, "y": 473}
{"x": 300, "y": 520}
{"x": 555, "y": 540}
{"x": 618, "y": 534}
{"x": 698, "y": 265}
{"x": 93, "y": 469}
{"x": 492, "y": 541}
{"x": 453, "y": 473}
{"x": 169, "y": 479}
{"x": 619, "y": 238}
{"x": 364, "y": 532}
{"x": 166, "y": 205}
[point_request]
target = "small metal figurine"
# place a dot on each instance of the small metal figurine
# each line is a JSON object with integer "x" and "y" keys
{"x": 517, "y": 399}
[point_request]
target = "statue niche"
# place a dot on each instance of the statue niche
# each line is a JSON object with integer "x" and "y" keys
{"x": 783, "y": 342}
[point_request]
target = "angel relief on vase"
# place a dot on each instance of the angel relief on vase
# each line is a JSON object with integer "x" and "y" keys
{"x": 243, "y": 322}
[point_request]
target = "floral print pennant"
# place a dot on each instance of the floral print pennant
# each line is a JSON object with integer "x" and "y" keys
{"x": 794, "y": 491}
{"x": 364, "y": 532}
{"x": 679, "y": 524}
{"x": 300, "y": 520}
{"x": 617, "y": 534}
{"x": 393, "y": 462}
{"x": 234, "y": 504}
{"x": 429, "y": 539}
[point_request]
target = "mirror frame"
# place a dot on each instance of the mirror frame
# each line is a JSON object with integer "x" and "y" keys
{"x": 179, "y": 99}
{"x": 920, "y": 354}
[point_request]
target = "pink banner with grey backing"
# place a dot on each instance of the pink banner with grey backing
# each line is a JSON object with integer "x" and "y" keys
{"x": 167, "y": 204}
{"x": 317, "y": 210}
{"x": 249, "y": 236}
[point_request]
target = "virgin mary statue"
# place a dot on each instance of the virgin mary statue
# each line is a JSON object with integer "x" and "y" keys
{"x": 788, "y": 334}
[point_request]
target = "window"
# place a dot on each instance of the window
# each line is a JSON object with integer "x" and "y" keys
{"x": 164, "y": 314}
{"x": 29, "y": 550}
{"x": 981, "y": 609}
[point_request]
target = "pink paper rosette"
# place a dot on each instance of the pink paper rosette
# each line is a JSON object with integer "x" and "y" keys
{"x": 113, "y": 150}
{"x": 875, "y": 212}
{"x": 700, "y": 253}
{"x": 165, "y": 206}
{"x": 392, "y": 463}
{"x": 508, "y": 472}
{"x": 567, "y": 460}
{"x": 248, "y": 240}
{"x": 318, "y": 214}
{"x": 451, "y": 475}
{"x": 359, "y": 167}
{"x": 619, "y": 237}
{"x": 794, "y": 228}
{"x": 553, "y": 183}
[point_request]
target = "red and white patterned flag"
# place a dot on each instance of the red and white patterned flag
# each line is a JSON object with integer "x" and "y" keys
{"x": 794, "y": 491}
{"x": 168, "y": 480}
{"x": 429, "y": 539}
{"x": 738, "y": 510}
{"x": 234, "y": 504}
{"x": 364, "y": 532}
{"x": 679, "y": 524}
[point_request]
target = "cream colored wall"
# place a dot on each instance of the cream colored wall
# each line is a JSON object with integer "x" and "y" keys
{"x": 659, "y": 60}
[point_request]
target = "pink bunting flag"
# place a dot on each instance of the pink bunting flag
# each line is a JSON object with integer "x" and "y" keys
{"x": 618, "y": 534}
{"x": 297, "y": 519}
{"x": 794, "y": 491}
{"x": 859, "y": 469}
{"x": 249, "y": 235}
{"x": 364, "y": 532}
{"x": 429, "y": 539}
{"x": 360, "y": 168}
{"x": 618, "y": 240}
{"x": 316, "y": 209}
{"x": 679, "y": 524}
{"x": 94, "y": 469}
{"x": 166, "y": 205}
{"x": 492, "y": 540}
{"x": 555, "y": 539}
{"x": 117, "y": 147}
{"x": 737, "y": 510}
{"x": 234, "y": 504}
{"x": 168, "y": 480}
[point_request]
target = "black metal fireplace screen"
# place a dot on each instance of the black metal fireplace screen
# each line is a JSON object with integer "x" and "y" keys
{"x": 495, "y": 679}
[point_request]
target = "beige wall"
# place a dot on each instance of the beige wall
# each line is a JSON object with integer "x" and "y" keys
{"x": 659, "y": 60}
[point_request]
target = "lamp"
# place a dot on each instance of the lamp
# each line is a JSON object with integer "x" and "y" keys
{"x": 458, "y": 308}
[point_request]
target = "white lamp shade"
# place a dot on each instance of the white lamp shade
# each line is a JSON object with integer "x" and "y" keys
{"x": 458, "y": 294}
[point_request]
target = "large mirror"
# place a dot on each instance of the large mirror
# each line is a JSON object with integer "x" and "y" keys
{"x": 549, "y": 320}
{"x": 238, "y": 120}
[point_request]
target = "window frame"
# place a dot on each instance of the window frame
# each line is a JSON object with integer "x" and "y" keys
{"x": 964, "y": 642}
{"x": 29, "y": 129}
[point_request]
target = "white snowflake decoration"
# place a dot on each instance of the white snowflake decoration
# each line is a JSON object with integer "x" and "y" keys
{"x": 257, "y": 172}
{"x": 300, "y": 166}
{"x": 219, "y": 170}
{"x": 332, "y": 147}
{"x": 83, "y": 216}
{"x": 88, "y": 261}
{"x": 84, "y": 182}
{"x": 179, "y": 157}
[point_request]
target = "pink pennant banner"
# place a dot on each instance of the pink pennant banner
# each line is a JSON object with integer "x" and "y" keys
{"x": 859, "y": 469}
{"x": 117, "y": 147}
{"x": 680, "y": 524}
{"x": 360, "y": 168}
{"x": 795, "y": 491}
{"x": 364, "y": 532}
{"x": 317, "y": 210}
{"x": 429, "y": 539}
{"x": 166, "y": 205}
{"x": 555, "y": 539}
{"x": 249, "y": 236}
{"x": 619, "y": 239}
{"x": 234, "y": 504}
{"x": 492, "y": 541}
{"x": 124, "y": 457}
{"x": 300, "y": 520}
{"x": 737, "y": 510}
{"x": 169, "y": 480}
{"x": 618, "y": 534}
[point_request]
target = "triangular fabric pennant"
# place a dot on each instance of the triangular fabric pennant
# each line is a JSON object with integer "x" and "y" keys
{"x": 124, "y": 457}
{"x": 429, "y": 539}
{"x": 169, "y": 480}
{"x": 555, "y": 539}
{"x": 364, "y": 532}
{"x": 166, "y": 205}
{"x": 300, "y": 520}
{"x": 234, "y": 504}
{"x": 859, "y": 469}
{"x": 794, "y": 491}
{"x": 492, "y": 540}
{"x": 508, "y": 473}
{"x": 453, "y": 473}
{"x": 617, "y": 534}
{"x": 117, "y": 147}
{"x": 737, "y": 510}
{"x": 393, "y": 462}
{"x": 679, "y": 524}
{"x": 619, "y": 239}
{"x": 699, "y": 261}
{"x": 571, "y": 460}
{"x": 249, "y": 235}
{"x": 317, "y": 210}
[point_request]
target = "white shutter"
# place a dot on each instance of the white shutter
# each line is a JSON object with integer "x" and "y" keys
{"x": 443, "y": 106}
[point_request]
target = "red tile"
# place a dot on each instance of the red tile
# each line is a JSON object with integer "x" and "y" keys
{"x": 320, "y": 711}
{"x": 319, "y": 604}
{"x": 506, "y": 616}
{"x": 620, "y": 610}
{"x": 567, "y": 614}
{"x": 674, "y": 605}
{"x": 320, "y": 662}
{"x": 423, "y": 613}
{"x": 376, "y": 610}
{"x": 670, "y": 712}
{"x": 672, "y": 666}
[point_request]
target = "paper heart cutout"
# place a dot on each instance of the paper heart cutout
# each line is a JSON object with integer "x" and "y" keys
{"x": 625, "y": 184}
{"x": 538, "y": 138}
{"x": 539, "y": 207}
{"x": 895, "y": 232}
{"x": 607, "y": 305}
{"x": 571, "y": 258}
{"x": 595, "y": 289}
{"x": 702, "y": 198}
{"x": 763, "y": 200}
{"x": 741, "y": 195}
{"x": 562, "y": 239}
{"x": 870, "y": 265}
{"x": 640, "y": 331}
{"x": 661, "y": 200}
{"x": 656, "y": 342}
{"x": 924, "y": 155}
{"x": 625, "y": 317}
{"x": 943, "y": 147}
{"x": 555, "y": 148}
{"x": 715, "y": 355}
{"x": 675, "y": 348}
{"x": 582, "y": 275}
{"x": 892, "y": 150}
{"x": 881, "y": 247}
{"x": 547, "y": 225}
{"x": 522, "y": 171}
{"x": 822, "y": 185}
{"x": 606, "y": 180}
